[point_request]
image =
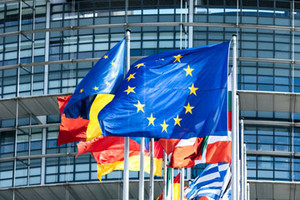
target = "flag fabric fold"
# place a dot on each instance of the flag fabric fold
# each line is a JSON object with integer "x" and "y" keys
{"x": 104, "y": 78}
{"x": 213, "y": 183}
{"x": 178, "y": 94}
{"x": 70, "y": 130}
{"x": 193, "y": 151}
{"x": 176, "y": 188}
{"x": 109, "y": 154}
{"x": 79, "y": 112}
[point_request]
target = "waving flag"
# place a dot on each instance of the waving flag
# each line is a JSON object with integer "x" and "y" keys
{"x": 213, "y": 183}
{"x": 109, "y": 154}
{"x": 79, "y": 112}
{"x": 70, "y": 130}
{"x": 193, "y": 151}
{"x": 177, "y": 94}
{"x": 103, "y": 78}
{"x": 190, "y": 152}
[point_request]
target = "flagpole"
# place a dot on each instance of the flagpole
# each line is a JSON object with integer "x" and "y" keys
{"x": 171, "y": 184}
{"x": 142, "y": 168}
{"x": 126, "y": 144}
{"x": 238, "y": 149}
{"x": 242, "y": 161}
{"x": 151, "y": 189}
{"x": 234, "y": 120}
{"x": 165, "y": 176}
{"x": 182, "y": 184}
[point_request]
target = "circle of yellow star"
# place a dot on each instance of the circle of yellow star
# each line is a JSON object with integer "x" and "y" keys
{"x": 96, "y": 88}
{"x": 188, "y": 108}
{"x": 131, "y": 76}
{"x": 105, "y": 57}
{"x": 164, "y": 126}
{"x": 113, "y": 64}
{"x": 188, "y": 71}
{"x": 193, "y": 90}
{"x": 140, "y": 107}
{"x": 177, "y": 58}
{"x": 129, "y": 89}
{"x": 177, "y": 121}
{"x": 151, "y": 120}
{"x": 139, "y": 65}
{"x": 107, "y": 83}
{"x": 81, "y": 91}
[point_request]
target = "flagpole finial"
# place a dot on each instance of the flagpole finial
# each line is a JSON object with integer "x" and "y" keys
{"x": 128, "y": 30}
{"x": 234, "y": 35}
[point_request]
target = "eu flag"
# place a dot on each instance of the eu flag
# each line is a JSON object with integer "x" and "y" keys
{"x": 176, "y": 94}
{"x": 104, "y": 77}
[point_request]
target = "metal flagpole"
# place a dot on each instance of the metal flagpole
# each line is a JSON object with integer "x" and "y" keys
{"x": 165, "y": 192}
{"x": 142, "y": 169}
{"x": 242, "y": 162}
{"x": 245, "y": 173}
{"x": 182, "y": 184}
{"x": 238, "y": 149}
{"x": 151, "y": 189}
{"x": 126, "y": 144}
{"x": 234, "y": 119}
{"x": 171, "y": 183}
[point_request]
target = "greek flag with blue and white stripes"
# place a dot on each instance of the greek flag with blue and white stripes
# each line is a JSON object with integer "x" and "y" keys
{"x": 213, "y": 183}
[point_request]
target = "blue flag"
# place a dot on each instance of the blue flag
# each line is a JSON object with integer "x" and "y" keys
{"x": 213, "y": 183}
{"x": 104, "y": 78}
{"x": 177, "y": 94}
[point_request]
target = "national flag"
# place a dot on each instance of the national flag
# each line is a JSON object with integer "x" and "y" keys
{"x": 104, "y": 78}
{"x": 79, "y": 112}
{"x": 109, "y": 154}
{"x": 177, "y": 94}
{"x": 176, "y": 187}
{"x": 70, "y": 130}
{"x": 190, "y": 152}
{"x": 212, "y": 183}
{"x": 193, "y": 151}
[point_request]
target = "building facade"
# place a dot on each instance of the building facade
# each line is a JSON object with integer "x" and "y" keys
{"x": 47, "y": 47}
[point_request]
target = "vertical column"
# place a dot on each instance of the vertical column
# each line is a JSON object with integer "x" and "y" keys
{"x": 234, "y": 119}
{"x": 191, "y": 20}
{"x": 32, "y": 44}
{"x": 47, "y": 39}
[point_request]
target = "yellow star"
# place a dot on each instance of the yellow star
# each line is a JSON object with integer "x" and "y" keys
{"x": 188, "y": 108}
{"x": 151, "y": 120}
{"x": 177, "y": 120}
{"x": 193, "y": 90}
{"x": 81, "y": 91}
{"x": 139, "y": 65}
{"x": 188, "y": 70}
{"x": 113, "y": 64}
{"x": 107, "y": 83}
{"x": 105, "y": 57}
{"x": 131, "y": 76}
{"x": 96, "y": 88}
{"x": 164, "y": 126}
{"x": 129, "y": 89}
{"x": 177, "y": 58}
{"x": 139, "y": 107}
